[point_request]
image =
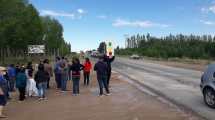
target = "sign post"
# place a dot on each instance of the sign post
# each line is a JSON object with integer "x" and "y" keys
{"x": 109, "y": 48}
{"x": 36, "y": 49}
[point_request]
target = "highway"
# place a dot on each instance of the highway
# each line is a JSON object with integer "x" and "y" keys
{"x": 178, "y": 85}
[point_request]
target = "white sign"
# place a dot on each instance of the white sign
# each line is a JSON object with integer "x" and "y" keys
{"x": 36, "y": 49}
{"x": 109, "y": 48}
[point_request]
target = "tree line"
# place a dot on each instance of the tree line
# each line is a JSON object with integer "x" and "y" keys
{"x": 180, "y": 46}
{"x": 21, "y": 25}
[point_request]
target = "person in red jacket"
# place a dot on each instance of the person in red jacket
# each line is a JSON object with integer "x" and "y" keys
{"x": 87, "y": 69}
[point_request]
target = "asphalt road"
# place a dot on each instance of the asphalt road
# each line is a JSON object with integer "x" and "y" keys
{"x": 179, "y": 85}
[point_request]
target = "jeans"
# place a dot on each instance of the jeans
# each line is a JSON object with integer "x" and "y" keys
{"x": 102, "y": 80}
{"x": 12, "y": 84}
{"x": 76, "y": 81}
{"x": 58, "y": 79}
{"x": 21, "y": 93}
{"x": 42, "y": 89}
{"x": 86, "y": 78}
{"x": 64, "y": 83}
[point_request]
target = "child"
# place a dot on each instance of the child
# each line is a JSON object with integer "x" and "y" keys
{"x": 21, "y": 82}
{"x": 101, "y": 69}
{"x": 31, "y": 86}
{"x": 87, "y": 68}
{"x": 76, "y": 67}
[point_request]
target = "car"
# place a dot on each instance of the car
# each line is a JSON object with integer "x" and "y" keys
{"x": 135, "y": 56}
{"x": 208, "y": 86}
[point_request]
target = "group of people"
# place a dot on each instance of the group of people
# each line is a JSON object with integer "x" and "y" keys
{"x": 64, "y": 70}
{"x": 34, "y": 80}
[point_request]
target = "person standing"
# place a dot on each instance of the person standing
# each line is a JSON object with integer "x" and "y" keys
{"x": 3, "y": 91}
{"x": 101, "y": 70}
{"x": 108, "y": 60}
{"x": 12, "y": 77}
{"x": 57, "y": 72}
{"x": 48, "y": 68}
{"x": 87, "y": 69}
{"x": 21, "y": 82}
{"x": 75, "y": 68}
{"x": 31, "y": 86}
{"x": 29, "y": 69}
{"x": 64, "y": 76}
{"x": 41, "y": 78}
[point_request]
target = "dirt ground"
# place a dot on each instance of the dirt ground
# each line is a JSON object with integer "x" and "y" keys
{"x": 126, "y": 103}
{"x": 198, "y": 65}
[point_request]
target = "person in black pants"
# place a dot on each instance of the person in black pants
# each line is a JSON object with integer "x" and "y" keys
{"x": 101, "y": 70}
{"x": 21, "y": 82}
{"x": 108, "y": 60}
{"x": 87, "y": 69}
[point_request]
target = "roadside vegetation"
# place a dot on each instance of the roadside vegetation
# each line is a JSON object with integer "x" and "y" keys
{"x": 21, "y": 25}
{"x": 172, "y": 46}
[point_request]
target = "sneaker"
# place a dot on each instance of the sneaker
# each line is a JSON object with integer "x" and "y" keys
{"x": 3, "y": 116}
{"x": 40, "y": 99}
{"x": 45, "y": 98}
{"x": 108, "y": 94}
{"x": 100, "y": 95}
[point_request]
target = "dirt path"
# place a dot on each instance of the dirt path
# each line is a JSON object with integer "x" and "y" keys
{"x": 125, "y": 103}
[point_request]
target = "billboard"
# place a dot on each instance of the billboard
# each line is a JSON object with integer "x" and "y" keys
{"x": 109, "y": 48}
{"x": 36, "y": 49}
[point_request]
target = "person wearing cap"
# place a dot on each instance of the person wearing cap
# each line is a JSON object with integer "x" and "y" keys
{"x": 3, "y": 100}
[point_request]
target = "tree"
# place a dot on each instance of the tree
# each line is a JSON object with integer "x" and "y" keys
{"x": 102, "y": 48}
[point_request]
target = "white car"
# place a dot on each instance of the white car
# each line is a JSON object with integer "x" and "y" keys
{"x": 135, "y": 56}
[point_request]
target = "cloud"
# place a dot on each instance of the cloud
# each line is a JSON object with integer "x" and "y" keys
{"x": 210, "y": 23}
{"x": 212, "y": 9}
{"x": 75, "y": 15}
{"x": 208, "y": 9}
{"x": 102, "y": 17}
{"x": 138, "y": 23}
{"x": 57, "y": 14}
{"x": 81, "y": 11}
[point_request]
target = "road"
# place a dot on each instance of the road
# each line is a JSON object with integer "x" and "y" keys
{"x": 180, "y": 86}
{"x": 127, "y": 102}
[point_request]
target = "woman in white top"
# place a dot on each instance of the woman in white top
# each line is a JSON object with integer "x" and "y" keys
{"x": 31, "y": 86}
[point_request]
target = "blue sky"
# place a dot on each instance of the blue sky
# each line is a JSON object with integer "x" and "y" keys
{"x": 88, "y": 22}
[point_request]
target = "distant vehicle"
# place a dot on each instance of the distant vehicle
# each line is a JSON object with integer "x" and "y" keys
{"x": 208, "y": 86}
{"x": 135, "y": 57}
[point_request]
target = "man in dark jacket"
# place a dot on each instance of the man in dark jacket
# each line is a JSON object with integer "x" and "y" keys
{"x": 108, "y": 60}
{"x": 101, "y": 69}
{"x": 41, "y": 79}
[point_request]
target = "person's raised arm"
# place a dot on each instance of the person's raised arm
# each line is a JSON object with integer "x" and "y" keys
{"x": 112, "y": 58}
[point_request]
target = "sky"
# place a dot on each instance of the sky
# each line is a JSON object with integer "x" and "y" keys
{"x": 88, "y": 22}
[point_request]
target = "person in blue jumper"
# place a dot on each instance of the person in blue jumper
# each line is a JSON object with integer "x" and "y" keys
{"x": 12, "y": 77}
